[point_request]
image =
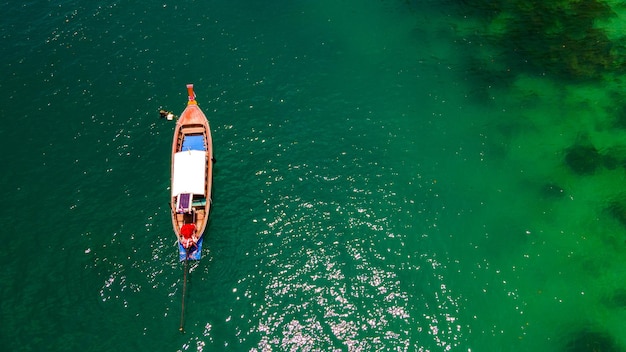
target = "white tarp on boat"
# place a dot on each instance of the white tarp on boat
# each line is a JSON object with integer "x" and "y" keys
{"x": 189, "y": 172}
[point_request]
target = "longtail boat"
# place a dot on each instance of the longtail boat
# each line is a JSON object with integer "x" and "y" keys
{"x": 192, "y": 178}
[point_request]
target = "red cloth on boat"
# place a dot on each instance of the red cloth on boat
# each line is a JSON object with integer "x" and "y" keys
{"x": 187, "y": 230}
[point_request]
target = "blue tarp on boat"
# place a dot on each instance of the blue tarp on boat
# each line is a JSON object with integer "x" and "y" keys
{"x": 195, "y": 251}
{"x": 193, "y": 143}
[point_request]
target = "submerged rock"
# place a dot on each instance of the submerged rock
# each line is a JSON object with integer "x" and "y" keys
{"x": 565, "y": 39}
{"x": 617, "y": 209}
{"x": 583, "y": 159}
{"x": 590, "y": 341}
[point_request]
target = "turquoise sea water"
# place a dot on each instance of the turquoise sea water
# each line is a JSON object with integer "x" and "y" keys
{"x": 387, "y": 179}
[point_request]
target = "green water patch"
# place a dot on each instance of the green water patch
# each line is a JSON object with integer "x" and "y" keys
{"x": 554, "y": 73}
{"x": 577, "y": 160}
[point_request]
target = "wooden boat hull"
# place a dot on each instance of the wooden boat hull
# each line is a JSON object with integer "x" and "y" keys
{"x": 191, "y": 174}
